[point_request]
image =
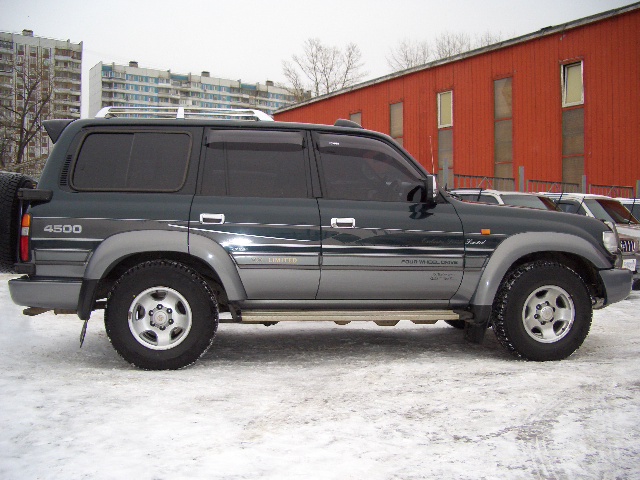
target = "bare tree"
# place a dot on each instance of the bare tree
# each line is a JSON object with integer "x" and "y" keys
{"x": 21, "y": 120}
{"x": 449, "y": 44}
{"x": 323, "y": 69}
{"x": 296, "y": 85}
{"x": 487, "y": 38}
{"x": 6, "y": 139}
{"x": 409, "y": 54}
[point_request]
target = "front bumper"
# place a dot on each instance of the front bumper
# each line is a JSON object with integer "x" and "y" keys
{"x": 617, "y": 284}
{"x": 62, "y": 294}
{"x": 632, "y": 262}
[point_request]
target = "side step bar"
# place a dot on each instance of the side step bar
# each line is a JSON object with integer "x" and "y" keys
{"x": 381, "y": 317}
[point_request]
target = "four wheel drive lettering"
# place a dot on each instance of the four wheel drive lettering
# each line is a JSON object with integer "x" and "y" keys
{"x": 267, "y": 222}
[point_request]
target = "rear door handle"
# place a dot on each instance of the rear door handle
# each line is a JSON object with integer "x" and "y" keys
{"x": 343, "y": 223}
{"x": 212, "y": 218}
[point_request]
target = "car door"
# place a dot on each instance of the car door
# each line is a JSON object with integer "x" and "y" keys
{"x": 254, "y": 199}
{"x": 379, "y": 240}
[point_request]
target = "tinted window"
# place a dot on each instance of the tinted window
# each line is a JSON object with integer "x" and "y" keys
{"x": 140, "y": 161}
{"x": 550, "y": 204}
{"x": 571, "y": 207}
{"x": 610, "y": 210}
{"x": 530, "y": 201}
{"x": 255, "y": 164}
{"x": 356, "y": 168}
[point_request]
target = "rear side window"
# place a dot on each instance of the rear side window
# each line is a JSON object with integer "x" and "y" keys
{"x": 269, "y": 164}
{"x": 136, "y": 161}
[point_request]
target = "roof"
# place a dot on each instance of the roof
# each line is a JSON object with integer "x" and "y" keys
{"x": 491, "y": 191}
{"x": 574, "y": 196}
{"x": 551, "y": 30}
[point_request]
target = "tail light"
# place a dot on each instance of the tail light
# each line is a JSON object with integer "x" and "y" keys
{"x": 25, "y": 237}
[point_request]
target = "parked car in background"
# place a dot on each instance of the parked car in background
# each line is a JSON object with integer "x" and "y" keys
{"x": 498, "y": 197}
{"x": 609, "y": 210}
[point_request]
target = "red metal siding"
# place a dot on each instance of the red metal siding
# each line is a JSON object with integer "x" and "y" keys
{"x": 610, "y": 50}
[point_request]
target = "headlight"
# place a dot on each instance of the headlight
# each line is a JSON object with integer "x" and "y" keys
{"x": 610, "y": 239}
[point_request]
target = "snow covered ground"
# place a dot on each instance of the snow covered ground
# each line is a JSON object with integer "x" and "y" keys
{"x": 318, "y": 401}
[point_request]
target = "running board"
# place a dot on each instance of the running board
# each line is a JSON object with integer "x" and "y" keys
{"x": 342, "y": 317}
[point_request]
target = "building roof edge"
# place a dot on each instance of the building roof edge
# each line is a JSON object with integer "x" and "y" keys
{"x": 543, "y": 32}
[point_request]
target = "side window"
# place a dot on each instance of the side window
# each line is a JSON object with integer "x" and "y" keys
{"x": 137, "y": 162}
{"x": 255, "y": 164}
{"x": 489, "y": 199}
{"x": 356, "y": 168}
{"x": 474, "y": 197}
{"x": 571, "y": 207}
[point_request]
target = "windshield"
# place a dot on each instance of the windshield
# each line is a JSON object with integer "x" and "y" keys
{"x": 610, "y": 210}
{"x": 551, "y": 205}
{"x": 530, "y": 201}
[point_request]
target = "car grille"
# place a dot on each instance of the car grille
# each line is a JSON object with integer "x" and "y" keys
{"x": 628, "y": 245}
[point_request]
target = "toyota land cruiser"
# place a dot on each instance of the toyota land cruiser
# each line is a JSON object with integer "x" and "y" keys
{"x": 166, "y": 222}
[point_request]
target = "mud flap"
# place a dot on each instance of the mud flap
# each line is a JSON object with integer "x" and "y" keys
{"x": 475, "y": 333}
{"x": 83, "y": 332}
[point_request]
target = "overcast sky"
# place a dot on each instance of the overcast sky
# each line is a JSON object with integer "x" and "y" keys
{"x": 249, "y": 39}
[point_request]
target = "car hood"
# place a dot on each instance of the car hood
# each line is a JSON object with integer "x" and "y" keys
{"x": 630, "y": 230}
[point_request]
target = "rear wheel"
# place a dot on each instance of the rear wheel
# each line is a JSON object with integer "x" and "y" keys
{"x": 161, "y": 315}
{"x": 542, "y": 311}
{"x": 10, "y": 183}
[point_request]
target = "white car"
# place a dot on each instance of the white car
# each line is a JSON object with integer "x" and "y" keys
{"x": 610, "y": 210}
{"x": 499, "y": 197}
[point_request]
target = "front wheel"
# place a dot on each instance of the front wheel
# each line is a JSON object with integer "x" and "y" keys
{"x": 542, "y": 311}
{"x": 161, "y": 315}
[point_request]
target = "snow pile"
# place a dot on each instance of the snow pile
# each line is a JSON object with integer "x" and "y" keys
{"x": 318, "y": 401}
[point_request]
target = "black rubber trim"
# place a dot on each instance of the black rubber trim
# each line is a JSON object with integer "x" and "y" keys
{"x": 25, "y": 268}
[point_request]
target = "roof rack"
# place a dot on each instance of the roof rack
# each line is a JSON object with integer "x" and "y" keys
{"x": 184, "y": 112}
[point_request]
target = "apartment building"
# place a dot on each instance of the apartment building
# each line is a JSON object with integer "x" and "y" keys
{"x": 133, "y": 86}
{"x": 39, "y": 78}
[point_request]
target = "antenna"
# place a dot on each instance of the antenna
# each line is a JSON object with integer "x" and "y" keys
{"x": 432, "y": 164}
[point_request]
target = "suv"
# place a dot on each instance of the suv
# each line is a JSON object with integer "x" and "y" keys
{"x": 166, "y": 223}
{"x": 497, "y": 197}
{"x": 609, "y": 210}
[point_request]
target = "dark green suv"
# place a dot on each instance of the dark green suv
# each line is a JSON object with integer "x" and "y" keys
{"x": 167, "y": 222}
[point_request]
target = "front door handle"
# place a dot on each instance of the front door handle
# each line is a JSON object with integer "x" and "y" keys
{"x": 343, "y": 223}
{"x": 212, "y": 218}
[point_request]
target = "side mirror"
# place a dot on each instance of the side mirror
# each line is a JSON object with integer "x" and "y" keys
{"x": 428, "y": 191}
{"x": 431, "y": 189}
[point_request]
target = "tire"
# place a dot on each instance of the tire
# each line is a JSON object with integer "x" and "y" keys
{"x": 10, "y": 220}
{"x": 161, "y": 315}
{"x": 542, "y": 311}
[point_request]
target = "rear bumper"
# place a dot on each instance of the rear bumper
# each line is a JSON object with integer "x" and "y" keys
{"x": 45, "y": 293}
{"x": 617, "y": 283}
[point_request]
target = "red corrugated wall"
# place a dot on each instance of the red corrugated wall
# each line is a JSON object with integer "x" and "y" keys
{"x": 610, "y": 50}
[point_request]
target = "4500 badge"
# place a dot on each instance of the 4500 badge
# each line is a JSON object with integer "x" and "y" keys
{"x": 69, "y": 229}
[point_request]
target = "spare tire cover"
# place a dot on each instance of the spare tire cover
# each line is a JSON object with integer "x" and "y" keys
{"x": 10, "y": 183}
